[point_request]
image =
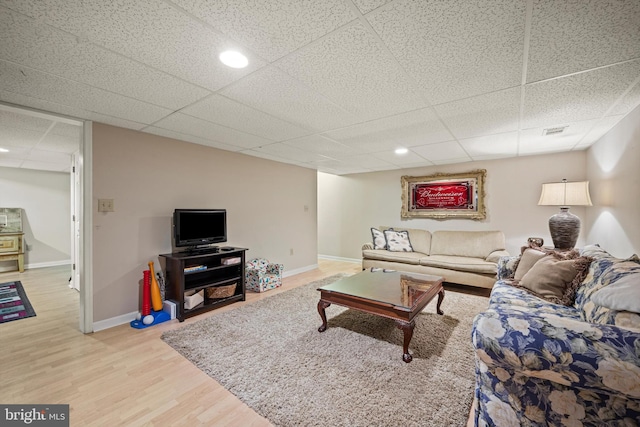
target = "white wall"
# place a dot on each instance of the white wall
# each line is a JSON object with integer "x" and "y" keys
{"x": 613, "y": 168}
{"x": 45, "y": 200}
{"x": 349, "y": 205}
{"x": 149, "y": 176}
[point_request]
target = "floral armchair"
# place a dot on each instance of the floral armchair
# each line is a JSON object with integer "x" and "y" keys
{"x": 544, "y": 364}
{"x": 263, "y": 275}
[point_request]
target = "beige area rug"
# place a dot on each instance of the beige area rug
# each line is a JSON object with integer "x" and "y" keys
{"x": 272, "y": 357}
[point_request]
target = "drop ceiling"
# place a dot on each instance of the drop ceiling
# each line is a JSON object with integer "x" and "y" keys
{"x": 333, "y": 85}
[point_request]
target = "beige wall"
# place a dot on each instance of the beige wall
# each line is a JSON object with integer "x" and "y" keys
{"x": 349, "y": 205}
{"x": 45, "y": 200}
{"x": 149, "y": 176}
{"x": 613, "y": 165}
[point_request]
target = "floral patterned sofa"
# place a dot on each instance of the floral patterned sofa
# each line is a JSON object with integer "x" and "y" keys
{"x": 540, "y": 363}
{"x": 263, "y": 275}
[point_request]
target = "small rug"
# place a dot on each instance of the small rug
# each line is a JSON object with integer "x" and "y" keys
{"x": 272, "y": 357}
{"x": 14, "y": 303}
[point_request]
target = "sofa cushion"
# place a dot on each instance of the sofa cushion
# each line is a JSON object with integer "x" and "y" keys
{"x": 384, "y": 255}
{"x": 504, "y": 293}
{"x": 398, "y": 241}
{"x": 473, "y": 265}
{"x": 420, "y": 239}
{"x": 477, "y": 244}
{"x": 528, "y": 258}
{"x": 555, "y": 277}
{"x": 378, "y": 239}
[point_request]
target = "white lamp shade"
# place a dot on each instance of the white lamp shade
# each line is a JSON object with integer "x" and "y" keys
{"x": 565, "y": 194}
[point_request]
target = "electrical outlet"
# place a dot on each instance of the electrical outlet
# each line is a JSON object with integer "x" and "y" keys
{"x": 105, "y": 205}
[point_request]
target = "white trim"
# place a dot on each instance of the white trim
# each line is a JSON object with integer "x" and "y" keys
{"x": 114, "y": 321}
{"x": 339, "y": 258}
{"x": 299, "y": 270}
{"x": 86, "y": 234}
{"x": 47, "y": 264}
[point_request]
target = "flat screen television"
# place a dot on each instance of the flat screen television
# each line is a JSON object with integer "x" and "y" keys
{"x": 199, "y": 227}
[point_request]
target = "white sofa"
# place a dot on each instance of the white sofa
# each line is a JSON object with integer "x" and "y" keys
{"x": 464, "y": 257}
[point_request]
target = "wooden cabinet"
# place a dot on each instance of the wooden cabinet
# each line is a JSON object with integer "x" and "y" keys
{"x": 219, "y": 277}
{"x": 12, "y": 248}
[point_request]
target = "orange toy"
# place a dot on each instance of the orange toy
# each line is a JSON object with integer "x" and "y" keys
{"x": 156, "y": 299}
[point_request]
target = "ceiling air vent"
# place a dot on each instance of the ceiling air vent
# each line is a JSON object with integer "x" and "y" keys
{"x": 554, "y": 131}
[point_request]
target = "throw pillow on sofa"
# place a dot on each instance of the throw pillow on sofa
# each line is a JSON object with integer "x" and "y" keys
{"x": 556, "y": 276}
{"x": 398, "y": 241}
{"x": 379, "y": 241}
{"x": 527, "y": 260}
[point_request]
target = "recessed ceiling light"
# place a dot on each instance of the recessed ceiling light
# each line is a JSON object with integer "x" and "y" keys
{"x": 233, "y": 59}
{"x": 401, "y": 151}
{"x": 3, "y": 150}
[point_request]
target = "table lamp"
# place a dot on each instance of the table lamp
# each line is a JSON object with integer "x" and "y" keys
{"x": 565, "y": 226}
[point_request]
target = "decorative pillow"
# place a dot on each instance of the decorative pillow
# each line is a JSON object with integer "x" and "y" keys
{"x": 527, "y": 260}
{"x": 398, "y": 241}
{"x": 556, "y": 276}
{"x": 622, "y": 295}
{"x": 379, "y": 241}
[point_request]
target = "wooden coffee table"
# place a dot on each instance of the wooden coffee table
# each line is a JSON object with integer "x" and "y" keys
{"x": 394, "y": 294}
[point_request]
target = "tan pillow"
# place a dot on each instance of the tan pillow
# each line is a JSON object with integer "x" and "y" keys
{"x": 527, "y": 260}
{"x": 556, "y": 278}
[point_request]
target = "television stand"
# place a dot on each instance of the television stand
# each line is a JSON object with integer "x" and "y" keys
{"x": 211, "y": 273}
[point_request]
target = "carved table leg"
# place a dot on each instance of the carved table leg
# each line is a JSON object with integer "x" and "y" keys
{"x": 407, "y": 328}
{"x": 440, "y": 298}
{"x": 321, "y": 306}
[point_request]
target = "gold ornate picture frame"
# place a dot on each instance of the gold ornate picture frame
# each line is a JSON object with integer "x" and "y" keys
{"x": 444, "y": 195}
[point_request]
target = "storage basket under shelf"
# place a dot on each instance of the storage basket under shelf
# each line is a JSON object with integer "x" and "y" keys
{"x": 218, "y": 292}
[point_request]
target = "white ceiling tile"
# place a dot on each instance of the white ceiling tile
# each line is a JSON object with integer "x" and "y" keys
{"x": 44, "y": 48}
{"x": 533, "y": 141}
{"x": 230, "y": 113}
{"x": 370, "y": 161}
{"x": 60, "y": 143}
{"x": 190, "y": 138}
{"x": 19, "y": 137}
{"x": 54, "y": 89}
{"x": 41, "y": 104}
{"x": 577, "y": 97}
{"x": 366, "y": 6}
{"x": 630, "y": 101}
{"x": 38, "y": 155}
{"x": 284, "y": 151}
{"x": 22, "y": 121}
{"x": 407, "y": 160}
{"x": 598, "y": 130}
{"x": 403, "y": 130}
{"x": 451, "y": 161}
{"x": 272, "y": 28}
{"x": 491, "y": 113}
{"x": 67, "y": 129}
{"x": 352, "y": 68}
{"x": 9, "y": 162}
{"x": 570, "y": 36}
{"x": 189, "y": 125}
{"x": 441, "y": 151}
{"x": 152, "y": 32}
{"x": 321, "y": 145}
{"x": 491, "y": 146}
{"x": 278, "y": 94}
{"x": 455, "y": 49}
{"x": 15, "y": 151}
{"x": 46, "y": 166}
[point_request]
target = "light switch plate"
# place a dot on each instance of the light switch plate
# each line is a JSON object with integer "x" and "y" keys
{"x": 105, "y": 205}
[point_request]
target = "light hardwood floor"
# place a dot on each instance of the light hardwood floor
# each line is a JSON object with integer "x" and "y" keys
{"x": 120, "y": 376}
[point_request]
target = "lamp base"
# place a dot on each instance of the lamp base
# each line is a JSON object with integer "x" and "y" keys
{"x": 564, "y": 228}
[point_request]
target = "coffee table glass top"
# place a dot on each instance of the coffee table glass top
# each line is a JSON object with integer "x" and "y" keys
{"x": 400, "y": 289}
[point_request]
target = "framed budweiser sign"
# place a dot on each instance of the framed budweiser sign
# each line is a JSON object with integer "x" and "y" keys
{"x": 443, "y": 196}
